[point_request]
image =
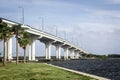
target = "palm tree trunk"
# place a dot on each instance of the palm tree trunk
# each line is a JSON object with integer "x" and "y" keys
{"x": 24, "y": 55}
{"x": 16, "y": 50}
{"x": 7, "y": 51}
{"x": 4, "y": 57}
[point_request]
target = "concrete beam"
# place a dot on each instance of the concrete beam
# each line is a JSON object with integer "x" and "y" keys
{"x": 72, "y": 48}
{"x": 45, "y": 39}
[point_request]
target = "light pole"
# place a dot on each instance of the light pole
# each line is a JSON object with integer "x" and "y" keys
{"x": 42, "y": 19}
{"x": 22, "y": 13}
{"x": 56, "y": 32}
{"x": 65, "y": 35}
{"x": 77, "y": 43}
{"x": 72, "y": 39}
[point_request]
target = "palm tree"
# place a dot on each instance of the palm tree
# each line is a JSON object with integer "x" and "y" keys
{"x": 24, "y": 41}
{"x": 5, "y": 34}
{"x": 18, "y": 31}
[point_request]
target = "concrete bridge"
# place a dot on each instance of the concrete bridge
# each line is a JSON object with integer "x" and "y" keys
{"x": 48, "y": 40}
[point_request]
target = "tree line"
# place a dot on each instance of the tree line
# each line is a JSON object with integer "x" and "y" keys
{"x": 114, "y": 55}
{"x": 93, "y": 56}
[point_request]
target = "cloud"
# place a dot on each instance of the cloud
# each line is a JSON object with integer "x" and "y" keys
{"x": 50, "y": 3}
{"x": 96, "y": 27}
{"x": 108, "y": 13}
{"x": 97, "y": 38}
{"x": 113, "y": 1}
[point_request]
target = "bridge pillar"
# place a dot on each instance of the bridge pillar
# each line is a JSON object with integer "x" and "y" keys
{"x": 80, "y": 56}
{"x": 48, "y": 50}
{"x": 58, "y": 52}
{"x": 65, "y": 53}
{"x": 9, "y": 49}
{"x": 72, "y": 54}
{"x": 32, "y": 50}
{"x": 77, "y": 55}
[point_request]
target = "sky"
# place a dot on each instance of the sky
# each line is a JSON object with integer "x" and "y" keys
{"x": 93, "y": 25}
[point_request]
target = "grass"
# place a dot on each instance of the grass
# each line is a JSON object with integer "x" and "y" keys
{"x": 36, "y": 71}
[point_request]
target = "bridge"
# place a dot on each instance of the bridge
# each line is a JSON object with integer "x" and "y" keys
{"x": 48, "y": 39}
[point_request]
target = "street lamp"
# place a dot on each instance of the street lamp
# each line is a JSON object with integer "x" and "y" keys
{"x": 65, "y": 35}
{"x": 42, "y": 19}
{"x": 56, "y": 30}
{"x": 22, "y": 13}
{"x": 72, "y": 39}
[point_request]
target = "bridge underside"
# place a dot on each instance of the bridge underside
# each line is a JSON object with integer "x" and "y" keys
{"x": 44, "y": 39}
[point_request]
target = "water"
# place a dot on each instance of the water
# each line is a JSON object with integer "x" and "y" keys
{"x": 109, "y": 68}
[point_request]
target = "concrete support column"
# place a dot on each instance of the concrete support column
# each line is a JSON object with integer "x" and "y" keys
{"x": 66, "y": 53}
{"x": 9, "y": 49}
{"x": 32, "y": 51}
{"x": 58, "y": 52}
{"x": 72, "y": 56}
{"x": 76, "y": 54}
{"x": 80, "y": 55}
{"x": 48, "y": 50}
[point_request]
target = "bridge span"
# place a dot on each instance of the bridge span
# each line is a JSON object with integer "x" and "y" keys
{"x": 48, "y": 39}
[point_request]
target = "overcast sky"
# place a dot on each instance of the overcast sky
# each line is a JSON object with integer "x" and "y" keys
{"x": 94, "y": 25}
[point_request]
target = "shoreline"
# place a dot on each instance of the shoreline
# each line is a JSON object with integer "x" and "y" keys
{"x": 108, "y": 68}
{"x": 78, "y": 72}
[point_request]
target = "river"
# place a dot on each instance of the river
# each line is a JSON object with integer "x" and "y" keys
{"x": 108, "y": 68}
